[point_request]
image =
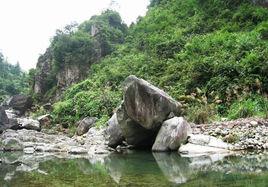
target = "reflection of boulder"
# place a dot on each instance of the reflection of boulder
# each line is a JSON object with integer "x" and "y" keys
{"x": 174, "y": 167}
{"x": 124, "y": 169}
{"x": 181, "y": 169}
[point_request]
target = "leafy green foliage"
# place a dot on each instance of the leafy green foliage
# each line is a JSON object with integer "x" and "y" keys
{"x": 248, "y": 107}
{"x": 214, "y": 51}
{"x": 12, "y": 79}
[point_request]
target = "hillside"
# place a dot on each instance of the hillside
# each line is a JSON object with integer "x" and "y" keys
{"x": 12, "y": 79}
{"x": 212, "y": 56}
{"x": 72, "y": 52}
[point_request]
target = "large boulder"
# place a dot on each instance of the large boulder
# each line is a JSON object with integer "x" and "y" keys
{"x": 21, "y": 103}
{"x": 84, "y": 125}
{"x": 172, "y": 133}
{"x": 134, "y": 133}
{"x": 146, "y": 104}
{"x": 113, "y": 132}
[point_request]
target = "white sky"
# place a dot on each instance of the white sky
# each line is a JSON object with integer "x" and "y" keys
{"x": 26, "y": 26}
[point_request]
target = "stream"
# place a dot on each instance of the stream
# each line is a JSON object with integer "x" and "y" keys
{"x": 133, "y": 169}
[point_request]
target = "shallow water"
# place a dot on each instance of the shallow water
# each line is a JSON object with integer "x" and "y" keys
{"x": 133, "y": 169}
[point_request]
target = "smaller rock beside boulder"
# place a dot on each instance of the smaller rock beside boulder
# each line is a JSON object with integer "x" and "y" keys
{"x": 84, "y": 125}
{"x": 113, "y": 132}
{"x": 20, "y": 103}
{"x": 204, "y": 145}
{"x": 172, "y": 133}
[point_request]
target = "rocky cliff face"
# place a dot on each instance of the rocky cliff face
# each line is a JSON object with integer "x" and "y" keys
{"x": 43, "y": 68}
{"x": 73, "y": 51}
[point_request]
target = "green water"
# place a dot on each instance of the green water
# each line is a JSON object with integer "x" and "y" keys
{"x": 133, "y": 169}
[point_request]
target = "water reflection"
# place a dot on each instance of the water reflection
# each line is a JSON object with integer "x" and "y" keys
{"x": 137, "y": 168}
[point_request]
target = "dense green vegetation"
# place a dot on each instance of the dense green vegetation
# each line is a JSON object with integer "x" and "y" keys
{"x": 81, "y": 45}
{"x": 12, "y": 79}
{"x": 211, "y": 55}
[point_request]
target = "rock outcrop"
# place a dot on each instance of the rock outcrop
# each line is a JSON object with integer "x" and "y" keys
{"x": 44, "y": 69}
{"x": 20, "y": 103}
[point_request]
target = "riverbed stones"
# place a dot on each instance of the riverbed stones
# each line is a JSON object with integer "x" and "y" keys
{"x": 146, "y": 104}
{"x": 20, "y": 103}
{"x": 172, "y": 133}
{"x": 84, "y": 125}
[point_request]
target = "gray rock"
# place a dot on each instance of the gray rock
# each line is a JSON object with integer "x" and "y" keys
{"x": 29, "y": 124}
{"x": 21, "y": 103}
{"x": 206, "y": 140}
{"x": 194, "y": 149}
{"x": 134, "y": 133}
{"x": 113, "y": 132}
{"x": 84, "y": 125}
{"x": 3, "y": 119}
{"x": 146, "y": 104}
{"x": 172, "y": 133}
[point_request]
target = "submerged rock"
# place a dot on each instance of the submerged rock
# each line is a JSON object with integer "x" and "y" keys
{"x": 146, "y": 104}
{"x": 172, "y": 133}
